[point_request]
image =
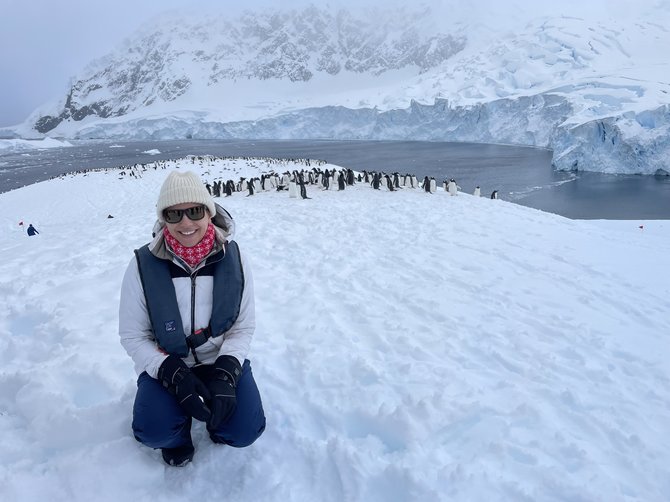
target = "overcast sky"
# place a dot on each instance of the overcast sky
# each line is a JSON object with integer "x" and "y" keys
{"x": 44, "y": 43}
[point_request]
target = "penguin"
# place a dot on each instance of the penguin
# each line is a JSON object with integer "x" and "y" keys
{"x": 426, "y": 184}
{"x": 250, "y": 187}
{"x": 229, "y": 188}
{"x": 433, "y": 185}
{"x": 477, "y": 192}
{"x": 326, "y": 180}
{"x": 375, "y": 181}
{"x": 494, "y": 194}
{"x": 453, "y": 187}
{"x": 285, "y": 179}
{"x": 389, "y": 183}
{"x": 303, "y": 190}
{"x": 340, "y": 181}
{"x": 292, "y": 189}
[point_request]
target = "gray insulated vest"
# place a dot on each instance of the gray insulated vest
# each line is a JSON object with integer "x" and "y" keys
{"x": 166, "y": 323}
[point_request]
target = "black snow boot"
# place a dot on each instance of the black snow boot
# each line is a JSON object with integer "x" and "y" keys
{"x": 179, "y": 456}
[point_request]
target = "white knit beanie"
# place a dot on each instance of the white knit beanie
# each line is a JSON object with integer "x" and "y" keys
{"x": 183, "y": 187}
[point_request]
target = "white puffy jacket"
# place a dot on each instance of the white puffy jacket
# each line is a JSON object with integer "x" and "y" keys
{"x": 135, "y": 325}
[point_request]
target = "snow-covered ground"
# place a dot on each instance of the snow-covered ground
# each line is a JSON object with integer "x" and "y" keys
{"x": 409, "y": 347}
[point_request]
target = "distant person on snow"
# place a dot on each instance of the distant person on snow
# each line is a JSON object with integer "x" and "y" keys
{"x": 32, "y": 230}
{"x": 186, "y": 318}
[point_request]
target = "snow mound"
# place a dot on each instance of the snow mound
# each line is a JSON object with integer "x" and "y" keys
{"x": 409, "y": 346}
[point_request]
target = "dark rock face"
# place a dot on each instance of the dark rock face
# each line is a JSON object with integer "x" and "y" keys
{"x": 161, "y": 64}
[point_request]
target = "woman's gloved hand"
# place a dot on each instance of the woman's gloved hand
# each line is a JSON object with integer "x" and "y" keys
{"x": 227, "y": 371}
{"x": 178, "y": 379}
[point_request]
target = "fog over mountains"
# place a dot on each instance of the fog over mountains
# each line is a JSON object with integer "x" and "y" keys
{"x": 594, "y": 88}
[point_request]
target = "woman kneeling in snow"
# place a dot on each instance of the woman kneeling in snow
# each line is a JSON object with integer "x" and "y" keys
{"x": 187, "y": 318}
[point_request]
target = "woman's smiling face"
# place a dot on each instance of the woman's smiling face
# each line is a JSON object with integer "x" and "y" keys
{"x": 188, "y": 232}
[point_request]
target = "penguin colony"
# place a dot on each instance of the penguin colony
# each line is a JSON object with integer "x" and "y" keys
{"x": 279, "y": 178}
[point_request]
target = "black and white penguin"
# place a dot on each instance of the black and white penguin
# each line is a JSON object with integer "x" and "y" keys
{"x": 292, "y": 189}
{"x": 389, "y": 183}
{"x": 477, "y": 192}
{"x": 376, "y": 180}
{"x": 283, "y": 184}
{"x": 453, "y": 187}
{"x": 433, "y": 185}
{"x": 340, "y": 181}
{"x": 303, "y": 190}
{"x": 426, "y": 184}
{"x": 250, "y": 187}
{"x": 494, "y": 194}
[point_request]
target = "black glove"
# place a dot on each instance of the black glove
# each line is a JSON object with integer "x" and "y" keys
{"x": 177, "y": 378}
{"x": 227, "y": 371}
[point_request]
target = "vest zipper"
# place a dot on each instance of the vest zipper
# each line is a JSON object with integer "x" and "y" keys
{"x": 193, "y": 276}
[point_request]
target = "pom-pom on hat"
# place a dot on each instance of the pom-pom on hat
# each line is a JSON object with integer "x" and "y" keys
{"x": 182, "y": 187}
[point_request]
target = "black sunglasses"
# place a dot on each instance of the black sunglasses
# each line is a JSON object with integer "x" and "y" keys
{"x": 194, "y": 213}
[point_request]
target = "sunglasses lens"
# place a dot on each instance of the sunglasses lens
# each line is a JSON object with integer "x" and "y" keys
{"x": 195, "y": 213}
{"x": 172, "y": 215}
{"x": 175, "y": 215}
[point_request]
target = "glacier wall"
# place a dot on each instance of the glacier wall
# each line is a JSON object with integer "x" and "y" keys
{"x": 633, "y": 143}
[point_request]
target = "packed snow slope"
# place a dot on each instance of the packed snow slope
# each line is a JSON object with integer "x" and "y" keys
{"x": 409, "y": 346}
{"x": 585, "y": 79}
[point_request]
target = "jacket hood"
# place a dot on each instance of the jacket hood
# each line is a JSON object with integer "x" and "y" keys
{"x": 223, "y": 225}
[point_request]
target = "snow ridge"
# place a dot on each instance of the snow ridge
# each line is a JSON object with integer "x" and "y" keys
{"x": 447, "y": 348}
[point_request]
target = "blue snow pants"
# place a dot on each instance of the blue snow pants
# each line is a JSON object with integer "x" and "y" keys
{"x": 159, "y": 421}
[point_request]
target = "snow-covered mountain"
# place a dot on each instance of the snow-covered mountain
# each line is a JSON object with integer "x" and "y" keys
{"x": 198, "y": 63}
{"x": 593, "y": 87}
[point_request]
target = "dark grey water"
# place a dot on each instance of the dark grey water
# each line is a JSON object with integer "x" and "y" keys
{"x": 520, "y": 174}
